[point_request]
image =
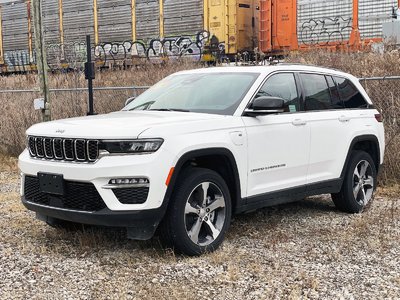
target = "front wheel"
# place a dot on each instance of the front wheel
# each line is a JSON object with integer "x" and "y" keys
{"x": 358, "y": 185}
{"x": 199, "y": 213}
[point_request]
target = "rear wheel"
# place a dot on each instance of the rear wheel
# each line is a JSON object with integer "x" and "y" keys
{"x": 358, "y": 185}
{"x": 199, "y": 213}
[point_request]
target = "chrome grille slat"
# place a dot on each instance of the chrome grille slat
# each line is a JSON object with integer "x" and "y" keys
{"x": 79, "y": 146}
{"x": 57, "y": 148}
{"x": 68, "y": 149}
{"x": 48, "y": 147}
{"x": 39, "y": 147}
{"x": 79, "y": 150}
{"x": 32, "y": 146}
{"x": 92, "y": 150}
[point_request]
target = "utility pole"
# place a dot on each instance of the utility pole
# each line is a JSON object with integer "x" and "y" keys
{"x": 89, "y": 75}
{"x": 41, "y": 60}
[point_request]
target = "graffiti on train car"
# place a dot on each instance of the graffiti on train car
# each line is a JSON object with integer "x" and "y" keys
{"x": 322, "y": 31}
{"x": 72, "y": 55}
{"x": 155, "y": 49}
{"x": 20, "y": 58}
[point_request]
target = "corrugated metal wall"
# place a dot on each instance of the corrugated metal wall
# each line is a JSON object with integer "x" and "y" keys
{"x": 15, "y": 34}
{"x": 147, "y": 19}
{"x": 372, "y": 13}
{"x": 78, "y": 20}
{"x": 183, "y": 17}
{"x": 320, "y": 22}
{"x": 115, "y": 20}
{"x": 51, "y": 21}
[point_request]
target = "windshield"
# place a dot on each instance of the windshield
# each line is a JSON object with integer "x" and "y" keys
{"x": 215, "y": 93}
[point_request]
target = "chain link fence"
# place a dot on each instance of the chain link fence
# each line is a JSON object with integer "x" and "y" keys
{"x": 385, "y": 94}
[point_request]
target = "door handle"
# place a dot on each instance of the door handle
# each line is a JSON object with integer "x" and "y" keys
{"x": 344, "y": 119}
{"x": 299, "y": 122}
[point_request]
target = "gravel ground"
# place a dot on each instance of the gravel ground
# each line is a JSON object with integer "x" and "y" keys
{"x": 305, "y": 250}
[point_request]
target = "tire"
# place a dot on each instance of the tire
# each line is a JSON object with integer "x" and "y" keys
{"x": 195, "y": 224}
{"x": 358, "y": 185}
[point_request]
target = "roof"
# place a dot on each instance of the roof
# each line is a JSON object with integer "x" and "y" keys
{"x": 268, "y": 69}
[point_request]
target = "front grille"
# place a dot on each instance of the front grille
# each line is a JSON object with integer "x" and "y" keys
{"x": 131, "y": 195}
{"x": 78, "y": 195}
{"x": 63, "y": 149}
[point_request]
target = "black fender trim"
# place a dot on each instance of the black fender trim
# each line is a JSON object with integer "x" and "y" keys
{"x": 362, "y": 138}
{"x": 188, "y": 156}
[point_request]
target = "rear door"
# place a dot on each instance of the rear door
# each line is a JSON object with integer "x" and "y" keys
{"x": 330, "y": 126}
{"x": 278, "y": 144}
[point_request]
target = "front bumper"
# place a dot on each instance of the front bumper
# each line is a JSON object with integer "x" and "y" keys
{"x": 140, "y": 224}
{"x": 153, "y": 166}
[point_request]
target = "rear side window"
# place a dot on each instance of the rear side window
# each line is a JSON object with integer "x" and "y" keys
{"x": 282, "y": 85}
{"x": 317, "y": 93}
{"x": 336, "y": 102}
{"x": 349, "y": 94}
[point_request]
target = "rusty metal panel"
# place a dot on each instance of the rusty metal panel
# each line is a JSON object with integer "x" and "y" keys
{"x": 51, "y": 21}
{"x": 77, "y": 19}
{"x": 322, "y": 22}
{"x": 115, "y": 20}
{"x": 147, "y": 19}
{"x": 371, "y": 14}
{"x": 183, "y": 17}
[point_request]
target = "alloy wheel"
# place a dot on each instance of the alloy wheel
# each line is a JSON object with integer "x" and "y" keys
{"x": 205, "y": 213}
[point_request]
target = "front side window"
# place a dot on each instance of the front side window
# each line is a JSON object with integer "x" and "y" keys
{"x": 214, "y": 93}
{"x": 282, "y": 85}
{"x": 317, "y": 93}
{"x": 349, "y": 94}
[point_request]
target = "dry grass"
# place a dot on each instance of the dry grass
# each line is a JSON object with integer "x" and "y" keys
{"x": 18, "y": 113}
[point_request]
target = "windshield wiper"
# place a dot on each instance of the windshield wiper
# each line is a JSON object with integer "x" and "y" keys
{"x": 170, "y": 109}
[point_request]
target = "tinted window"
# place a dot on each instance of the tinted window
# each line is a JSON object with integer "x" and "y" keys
{"x": 336, "y": 102}
{"x": 317, "y": 94}
{"x": 283, "y": 86}
{"x": 349, "y": 94}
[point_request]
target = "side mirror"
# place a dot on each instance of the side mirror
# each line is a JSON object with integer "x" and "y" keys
{"x": 129, "y": 100}
{"x": 266, "y": 105}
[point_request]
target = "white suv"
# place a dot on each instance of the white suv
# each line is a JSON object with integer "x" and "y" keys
{"x": 204, "y": 144}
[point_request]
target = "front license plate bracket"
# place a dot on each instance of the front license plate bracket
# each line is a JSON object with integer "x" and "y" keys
{"x": 51, "y": 183}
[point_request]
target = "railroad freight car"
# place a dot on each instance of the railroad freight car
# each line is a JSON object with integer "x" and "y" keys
{"x": 127, "y": 30}
{"x": 287, "y": 25}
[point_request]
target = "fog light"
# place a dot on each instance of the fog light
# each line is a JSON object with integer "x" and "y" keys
{"x": 130, "y": 181}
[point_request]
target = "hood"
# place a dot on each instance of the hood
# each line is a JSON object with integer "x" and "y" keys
{"x": 122, "y": 124}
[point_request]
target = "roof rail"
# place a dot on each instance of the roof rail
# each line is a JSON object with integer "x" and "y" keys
{"x": 307, "y": 65}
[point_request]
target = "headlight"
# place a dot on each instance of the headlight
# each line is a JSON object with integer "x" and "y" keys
{"x": 131, "y": 146}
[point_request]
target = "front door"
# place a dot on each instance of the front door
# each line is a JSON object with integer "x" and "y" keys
{"x": 278, "y": 144}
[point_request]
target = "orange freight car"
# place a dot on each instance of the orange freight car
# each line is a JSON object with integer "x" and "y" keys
{"x": 287, "y": 25}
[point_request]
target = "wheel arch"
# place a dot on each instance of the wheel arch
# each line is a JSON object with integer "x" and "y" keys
{"x": 368, "y": 143}
{"x": 220, "y": 160}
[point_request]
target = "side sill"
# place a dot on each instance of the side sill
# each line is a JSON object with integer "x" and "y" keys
{"x": 290, "y": 195}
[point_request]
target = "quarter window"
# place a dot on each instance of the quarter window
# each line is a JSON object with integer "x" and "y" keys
{"x": 282, "y": 85}
{"x": 349, "y": 94}
{"x": 317, "y": 92}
